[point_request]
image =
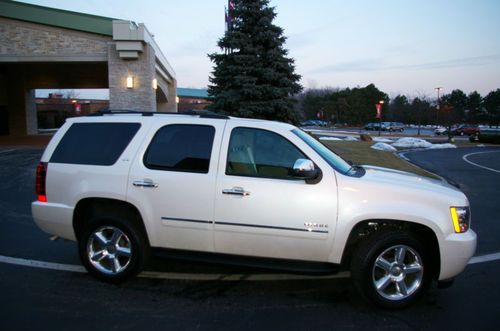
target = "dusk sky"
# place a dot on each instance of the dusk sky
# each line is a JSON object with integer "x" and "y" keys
{"x": 407, "y": 47}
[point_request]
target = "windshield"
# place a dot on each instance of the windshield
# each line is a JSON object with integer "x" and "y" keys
{"x": 333, "y": 159}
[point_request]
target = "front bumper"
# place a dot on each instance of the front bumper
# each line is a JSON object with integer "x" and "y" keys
{"x": 456, "y": 250}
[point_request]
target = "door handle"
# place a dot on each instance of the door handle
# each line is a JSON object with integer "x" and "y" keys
{"x": 236, "y": 191}
{"x": 145, "y": 183}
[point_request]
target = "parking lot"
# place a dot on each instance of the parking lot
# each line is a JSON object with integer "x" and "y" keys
{"x": 44, "y": 286}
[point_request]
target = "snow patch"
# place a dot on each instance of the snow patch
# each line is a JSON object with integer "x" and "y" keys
{"x": 330, "y": 138}
{"x": 441, "y": 146}
{"x": 412, "y": 143}
{"x": 347, "y": 138}
{"x": 383, "y": 147}
{"x": 382, "y": 140}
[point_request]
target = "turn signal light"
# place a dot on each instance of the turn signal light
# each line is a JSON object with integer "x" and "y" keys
{"x": 461, "y": 218}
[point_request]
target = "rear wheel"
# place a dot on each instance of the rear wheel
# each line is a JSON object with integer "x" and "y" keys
{"x": 113, "y": 250}
{"x": 391, "y": 269}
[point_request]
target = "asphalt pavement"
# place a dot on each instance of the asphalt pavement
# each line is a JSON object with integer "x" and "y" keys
{"x": 480, "y": 185}
{"x": 38, "y": 298}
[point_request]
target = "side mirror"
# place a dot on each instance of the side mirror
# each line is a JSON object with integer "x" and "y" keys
{"x": 305, "y": 169}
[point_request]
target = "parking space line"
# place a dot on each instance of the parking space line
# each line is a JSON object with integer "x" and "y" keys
{"x": 485, "y": 258}
{"x": 204, "y": 277}
{"x": 478, "y": 165}
{"x": 170, "y": 275}
{"x": 41, "y": 264}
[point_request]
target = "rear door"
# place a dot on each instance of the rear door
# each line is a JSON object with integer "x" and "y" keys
{"x": 173, "y": 181}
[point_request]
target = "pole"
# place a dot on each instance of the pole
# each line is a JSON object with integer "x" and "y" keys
{"x": 438, "y": 89}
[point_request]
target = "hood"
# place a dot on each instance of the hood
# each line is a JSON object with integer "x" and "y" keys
{"x": 409, "y": 180}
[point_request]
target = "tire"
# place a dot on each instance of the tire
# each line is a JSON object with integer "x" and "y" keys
{"x": 402, "y": 281}
{"x": 112, "y": 249}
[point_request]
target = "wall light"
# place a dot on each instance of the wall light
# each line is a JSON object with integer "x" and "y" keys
{"x": 155, "y": 83}
{"x": 177, "y": 99}
{"x": 130, "y": 82}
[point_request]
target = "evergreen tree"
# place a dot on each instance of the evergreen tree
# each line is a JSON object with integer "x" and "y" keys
{"x": 253, "y": 77}
{"x": 474, "y": 100}
{"x": 492, "y": 104}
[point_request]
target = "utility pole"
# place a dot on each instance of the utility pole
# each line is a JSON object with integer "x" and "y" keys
{"x": 438, "y": 89}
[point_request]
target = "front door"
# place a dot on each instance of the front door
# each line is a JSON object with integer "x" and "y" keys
{"x": 261, "y": 209}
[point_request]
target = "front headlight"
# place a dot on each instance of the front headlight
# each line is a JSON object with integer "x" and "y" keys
{"x": 461, "y": 218}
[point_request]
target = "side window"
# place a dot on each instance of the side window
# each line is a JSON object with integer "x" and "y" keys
{"x": 261, "y": 153}
{"x": 94, "y": 143}
{"x": 181, "y": 147}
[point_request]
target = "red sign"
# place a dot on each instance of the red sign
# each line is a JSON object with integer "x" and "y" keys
{"x": 378, "y": 106}
{"x": 78, "y": 107}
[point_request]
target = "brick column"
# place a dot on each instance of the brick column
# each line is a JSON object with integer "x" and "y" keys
{"x": 142, "y": 97}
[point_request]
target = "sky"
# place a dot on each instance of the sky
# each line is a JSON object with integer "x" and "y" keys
{"x": 402, "y": 46}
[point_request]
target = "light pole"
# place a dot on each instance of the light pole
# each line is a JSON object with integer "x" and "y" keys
{"x": 438, "y": 89}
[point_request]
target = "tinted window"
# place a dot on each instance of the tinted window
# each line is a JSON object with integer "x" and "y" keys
{"x": 261, "y": 153}
{"x": 181, "y": 148}
{"x": 94, "y": 143}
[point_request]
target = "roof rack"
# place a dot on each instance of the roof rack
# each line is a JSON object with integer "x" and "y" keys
{"x": 200, "y": 113}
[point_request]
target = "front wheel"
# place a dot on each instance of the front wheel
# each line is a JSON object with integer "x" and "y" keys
{"x": 113, "y": 250}
{"x": 391, "y": 269}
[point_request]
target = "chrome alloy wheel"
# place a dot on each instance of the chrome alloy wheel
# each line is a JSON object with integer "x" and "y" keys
{"x": 397, "y": 272}
{"x": 109, "y": 250}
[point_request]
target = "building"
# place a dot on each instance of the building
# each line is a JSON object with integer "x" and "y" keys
{"x": 53, "y": 111}
{"x": 191, "y": 98}
{"x": 47, "y": 48}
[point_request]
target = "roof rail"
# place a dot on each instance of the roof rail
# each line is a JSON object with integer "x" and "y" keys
{"x": 200, "y": 113}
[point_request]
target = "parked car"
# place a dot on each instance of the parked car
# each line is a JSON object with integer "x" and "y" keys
{"x": 441, "y": 131}
{"x": 239, "y": 190}
{"x": 393, "y": 126}
{"x": 314, "y": 123}
{"x": 309, "y": 123}
{"x": 372, "y": 126}
{"x": 466, "y": 129}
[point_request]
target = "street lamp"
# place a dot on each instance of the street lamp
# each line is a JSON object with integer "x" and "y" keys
{"x": 438, "y": 89}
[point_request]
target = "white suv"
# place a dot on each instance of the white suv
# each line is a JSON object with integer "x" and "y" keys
{"x": 256, "y": 192}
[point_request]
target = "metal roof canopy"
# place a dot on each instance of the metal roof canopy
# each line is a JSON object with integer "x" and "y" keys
{"x": 192, "y": 93}
{"x": 56, "y": 17}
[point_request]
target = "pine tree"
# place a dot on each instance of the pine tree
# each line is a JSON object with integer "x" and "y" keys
{"x": 253, "y": 77}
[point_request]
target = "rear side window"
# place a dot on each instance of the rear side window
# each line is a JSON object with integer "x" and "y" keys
{"x": 181, "y": 147}
{"x": 94, "y": 143}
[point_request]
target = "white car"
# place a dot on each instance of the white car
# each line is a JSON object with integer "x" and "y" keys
{"x": 260, "y": 192}
{"x": 440, "y": 131}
